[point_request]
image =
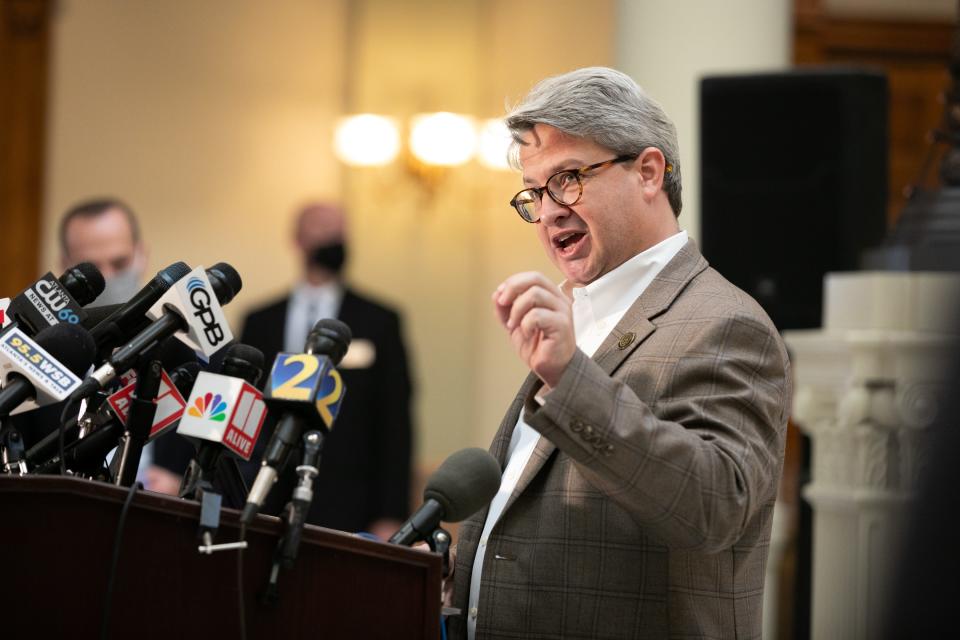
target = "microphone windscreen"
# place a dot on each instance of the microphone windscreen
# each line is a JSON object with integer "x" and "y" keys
{"x": 465, "y": 483}
{"x": 243, "y": 361}
{"x": 184, "y": 376}
{"x": 225, "y": 280}
{"x": 329, "y": 337}
{"x": 84, "y": 282}
{"x": 169, "y": 276}
{"x": 70, "y": 344}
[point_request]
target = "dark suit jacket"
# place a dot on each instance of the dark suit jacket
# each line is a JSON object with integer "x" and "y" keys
{"x": 365, "y": 463}
{"x": 645, "y": 510}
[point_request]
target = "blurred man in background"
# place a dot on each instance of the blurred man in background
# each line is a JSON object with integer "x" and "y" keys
{"x": 105, "y": 231}
{"x": 364, "y": 481}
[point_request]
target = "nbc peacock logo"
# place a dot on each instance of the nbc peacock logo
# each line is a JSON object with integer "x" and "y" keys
{"x": 210, "y": 406}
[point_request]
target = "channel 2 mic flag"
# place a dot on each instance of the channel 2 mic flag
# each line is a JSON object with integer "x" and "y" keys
{"x": 307, "y": 384}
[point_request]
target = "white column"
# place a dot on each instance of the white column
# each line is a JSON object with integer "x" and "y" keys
{"x": 668, "y": 46}
{"x": 866, "y": 387}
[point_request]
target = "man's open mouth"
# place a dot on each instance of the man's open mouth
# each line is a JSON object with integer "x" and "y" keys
{"x": 567, "y": 242}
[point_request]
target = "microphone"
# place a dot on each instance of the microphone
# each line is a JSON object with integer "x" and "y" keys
{"x": 307, "y": 390}
{"x": 169, "y": 404}
{"x": 465, "y": 483}
{"x": 87, "y": 454}
{"x": 50, "y": 301}
{"x": 190, "y": 309}
{"x": 125, "y": 320}
{"x": 225, "y": 413}
{"x": 44, "y": 371}
{"x": 226, "y": 409}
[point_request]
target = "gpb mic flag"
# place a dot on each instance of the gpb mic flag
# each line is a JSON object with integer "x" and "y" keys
{"x": 224, "y": 409}
{"x": 193, "y": 295}
{"x": 307, "y": 384}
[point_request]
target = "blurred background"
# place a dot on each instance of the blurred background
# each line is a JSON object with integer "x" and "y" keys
{"x": 214, "y": 119}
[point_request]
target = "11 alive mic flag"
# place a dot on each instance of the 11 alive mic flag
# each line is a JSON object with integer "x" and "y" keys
{"x": 224, "y": 409}
{"x": 170, "y": 404}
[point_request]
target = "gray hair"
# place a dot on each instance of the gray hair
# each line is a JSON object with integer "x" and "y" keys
{"x": 605, "y": 106}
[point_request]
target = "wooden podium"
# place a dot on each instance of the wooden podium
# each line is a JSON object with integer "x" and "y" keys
{"x": 57, "y": 536}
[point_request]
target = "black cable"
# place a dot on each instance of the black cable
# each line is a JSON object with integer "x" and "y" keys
{"x": 64, "y": 416}
{"x": 116, "y": 557}
{"x": 240, "y": 602}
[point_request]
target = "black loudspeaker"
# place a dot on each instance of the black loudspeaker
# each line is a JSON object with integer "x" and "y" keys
{"x": 794, "y": 182}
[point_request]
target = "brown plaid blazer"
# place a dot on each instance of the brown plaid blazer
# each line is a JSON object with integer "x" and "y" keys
{"x": 645, "y": 510}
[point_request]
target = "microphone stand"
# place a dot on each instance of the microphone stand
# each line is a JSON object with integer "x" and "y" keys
{"x": 12, "y": 452}
{"x": 213, "y": 471}
{"x": 295, "y": 514}
{"x": 142, "y": 410}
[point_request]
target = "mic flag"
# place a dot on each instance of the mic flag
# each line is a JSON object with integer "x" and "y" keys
{"x": 224, "y": 409}
{"x": 169, "y": 401}
{"x": 305, "y": 384}
{"x": 45, "y": 303}
{"x": 51, "y": 380}
{"x": 194, "y": 297}
{"x": 5, "y": 318}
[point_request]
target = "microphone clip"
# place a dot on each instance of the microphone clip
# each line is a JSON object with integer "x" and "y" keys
{"x": 210, "y": 503}
{"x": 439, "y": 542}
{"x": 12, "y": 453}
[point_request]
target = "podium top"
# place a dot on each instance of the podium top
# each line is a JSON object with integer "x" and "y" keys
{"x": 60, "y": 533}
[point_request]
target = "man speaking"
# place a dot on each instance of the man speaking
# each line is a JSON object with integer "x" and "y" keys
{"x": 642, "y": 454}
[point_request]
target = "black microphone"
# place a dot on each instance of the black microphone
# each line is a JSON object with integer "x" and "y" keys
{"x": 38, "y": 377}
{"x": 84, "y": 282}
{"x": 50, "y": 301}
{"x": 126, "y": 320}
{"x": 192, "y": 314}
{"x": 171, "y": 353}
{"x": 299, "y": 405}
{"x": 465, "y": 483}
{"x": 213, "y": 468}
{"x": 86, "y": 456}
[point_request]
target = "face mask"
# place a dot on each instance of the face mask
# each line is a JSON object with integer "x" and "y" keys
{"x": 119, "y": 289}
{"x": 330, "y": 257}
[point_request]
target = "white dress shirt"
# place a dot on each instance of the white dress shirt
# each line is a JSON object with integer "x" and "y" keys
{"x": 308, "y": 304}
{"x": 597, "y": 308}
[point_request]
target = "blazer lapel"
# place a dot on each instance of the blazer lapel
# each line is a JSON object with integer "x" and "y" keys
{"x": 636, "y": 324}
{"x": 633, "y": 329}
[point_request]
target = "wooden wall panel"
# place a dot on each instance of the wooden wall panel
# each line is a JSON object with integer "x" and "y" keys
{"x": 24, "y": 35}
{"x": 913, "y": 54}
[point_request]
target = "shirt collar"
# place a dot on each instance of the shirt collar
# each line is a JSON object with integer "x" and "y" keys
{"x": 306, "y": 292}
{"x": 615, "y": 291}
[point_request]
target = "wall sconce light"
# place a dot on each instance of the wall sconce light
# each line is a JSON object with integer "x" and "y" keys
{"x": 437, "y": 141}
{"x": 367, "y": 140}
